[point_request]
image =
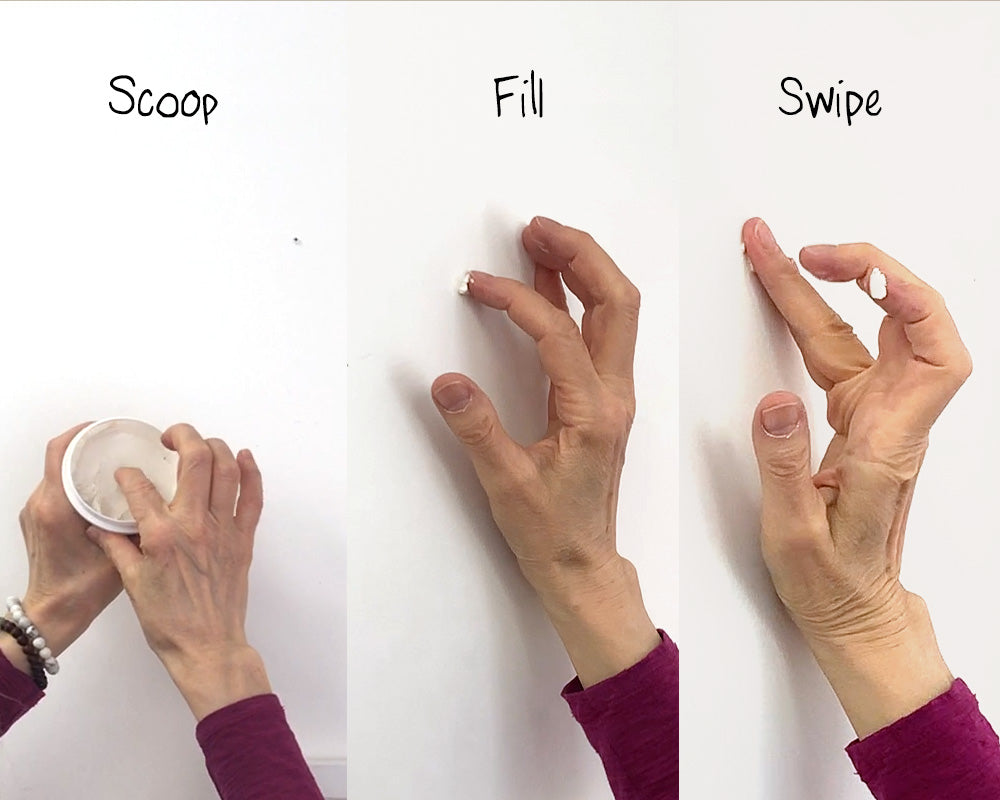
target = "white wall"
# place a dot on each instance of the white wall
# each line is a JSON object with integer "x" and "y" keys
{"x": 150, "y": 270}
{"x": 454, "y": 671}
{"x": 132, "y": 247}
{"x": 919, "y": 181}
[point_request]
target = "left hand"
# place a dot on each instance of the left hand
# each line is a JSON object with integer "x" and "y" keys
{"x": 70, "y": 581}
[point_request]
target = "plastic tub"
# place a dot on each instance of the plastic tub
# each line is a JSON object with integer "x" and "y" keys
{"x": 88, "y": 470}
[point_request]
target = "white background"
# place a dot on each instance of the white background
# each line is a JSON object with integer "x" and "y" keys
{"x": 150, "y": 270}
{"x": 920, "y": 182}
{"x": 455, "y": 673}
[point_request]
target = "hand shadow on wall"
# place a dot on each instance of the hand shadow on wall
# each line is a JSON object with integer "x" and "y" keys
{"x": 534, "y": 719}
{"x": 729, "y": 469}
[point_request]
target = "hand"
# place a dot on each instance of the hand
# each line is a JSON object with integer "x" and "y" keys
{"x": 556, "y": 500}
{"x": 187, "y": 575}
{"x": 833, "y": 541}
{"x": 70, "y": 581}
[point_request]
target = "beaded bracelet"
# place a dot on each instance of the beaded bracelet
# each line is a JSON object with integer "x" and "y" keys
{"x": 35, "y": 664}
{"x": 34, "y": 636}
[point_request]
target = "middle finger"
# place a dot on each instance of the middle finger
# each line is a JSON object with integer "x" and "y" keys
{"x": 610, "y": 300}
{"x": 225, "y": 480}
{"x": 194, "y": 470}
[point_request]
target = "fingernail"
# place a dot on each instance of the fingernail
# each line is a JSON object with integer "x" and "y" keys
{"x": 781, "y": 421}
{"x": 464, "y": 282}
{"x": 534, "y": 235}
{"x": 764, "y": 235}
{"x": 91, "y": 534}
{"x": 453, "y": 397}
{"x": 546, "y": 224}
{"x": 818, "y": 249}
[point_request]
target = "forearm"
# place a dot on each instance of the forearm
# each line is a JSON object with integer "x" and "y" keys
{"x": 18, "y": 694}
{"x": 211, "y": 680}
{"x": 882, "y": 680}
{"x": 600, "y": 617}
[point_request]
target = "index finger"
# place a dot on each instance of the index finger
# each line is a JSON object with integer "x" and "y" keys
{"x": 141, "y": 495}
{"x": 563, "y": 354}
{"x": 55, "y": 452}
{"x": 608, "y": 297}
{"x": 831, "y": 351}
{"x": 194, "y": 470}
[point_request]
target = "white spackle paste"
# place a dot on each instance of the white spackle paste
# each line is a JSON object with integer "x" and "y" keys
{"x": 746, "y": 256}
{"x": 463, "y": 284}
{"x": 878, "y": 287}
{"x": 116, "y": 444}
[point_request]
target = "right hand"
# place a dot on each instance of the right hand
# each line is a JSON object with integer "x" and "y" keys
{"x": 833, "y": 540}
{"x": 556, "y": 500}
{"x": 187, "y": 571}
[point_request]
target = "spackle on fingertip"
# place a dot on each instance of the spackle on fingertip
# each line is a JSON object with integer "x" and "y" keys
{"x": 463, "y": 283}
{"x": 878, "y": 286}
{"x": 746, "y": 257}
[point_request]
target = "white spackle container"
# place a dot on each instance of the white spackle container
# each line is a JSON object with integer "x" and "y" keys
{"x": 88, "y": 470}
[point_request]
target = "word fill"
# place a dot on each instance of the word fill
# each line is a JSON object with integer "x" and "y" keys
{"x": 533, "y": 91}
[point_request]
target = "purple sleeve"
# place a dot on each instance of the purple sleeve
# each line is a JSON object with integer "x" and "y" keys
{"x": 251, "y": 753}
{"x": 946, "y": 749}
{"x": 18, "y": 694}
{"x": 632, "y": 721}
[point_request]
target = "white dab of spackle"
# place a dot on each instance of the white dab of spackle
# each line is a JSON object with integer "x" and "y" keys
{"x": 463, "y": 284}
{"x": 878, "y": 286}
{"x": 746, "y": 257}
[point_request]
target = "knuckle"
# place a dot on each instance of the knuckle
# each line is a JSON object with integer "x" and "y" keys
{"x": 52, "y": 447}
{"x": 786, "y": 464}
{"x": 228, "y": 471}
{"x": 563, "y": 325}
{"x": 159, "y": 528}
{"x": 618, "y": 419}
{"x": 630, "y": 297}
{"x": 963, "y": 366}
{"x": 46, "y": 510}
{"x": 479, "y": 432}
{"x": 199, "y": 456}
{"x": 610, "y": 426}
{"x": 870, "y": 253}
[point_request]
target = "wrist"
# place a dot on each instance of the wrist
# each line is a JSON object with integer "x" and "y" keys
{"x": 60, "y": 619}
{"x": 600, "y": 617}
{"x": 879, "y": 679}
{"x": 213, "y": 679}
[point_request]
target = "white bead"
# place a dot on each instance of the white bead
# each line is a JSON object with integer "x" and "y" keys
{"x": 44, "y": 653}
{"x": 38, "y": 642}
{"x": 23, "y": 622}
{"x": 13, "y": 601}
{"x": 32, "y": 632}
{"x": 52, "y": 666}
{"x": 17, "y": 613}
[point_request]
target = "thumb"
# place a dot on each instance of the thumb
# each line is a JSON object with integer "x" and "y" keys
{"x": 791, "y": 505}
{"x": 474, "y": 421}
{"x": 121, "y": 550}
